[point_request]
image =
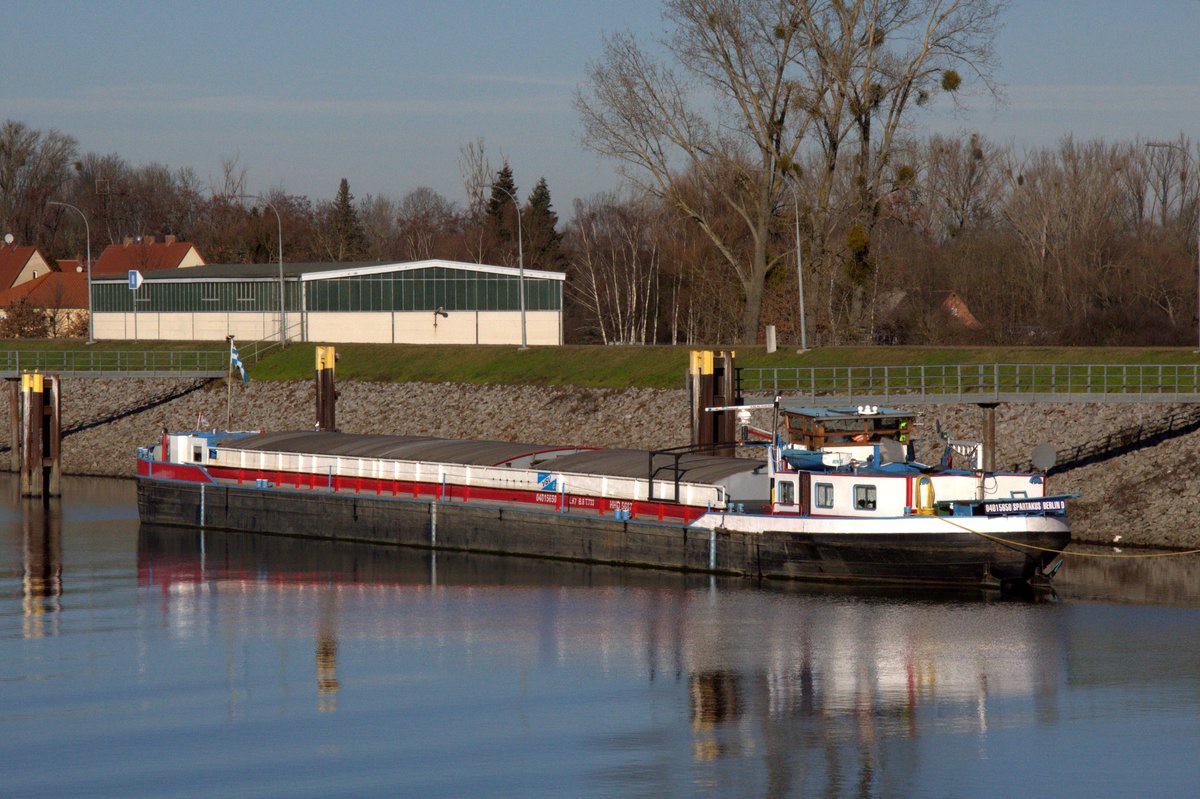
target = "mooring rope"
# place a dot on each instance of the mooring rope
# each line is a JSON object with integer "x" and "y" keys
{"x": 1075, "y": 553}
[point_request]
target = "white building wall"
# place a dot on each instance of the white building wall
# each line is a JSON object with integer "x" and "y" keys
{"x": 186, "y": 326}
{"x": 418, "y": 327}
{"x": 349, "y": 328}
{"x": 412, "y": 327}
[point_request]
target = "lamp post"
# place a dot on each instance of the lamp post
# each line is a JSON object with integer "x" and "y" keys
{"x": 1188, "y": 156}
{"x": 88, "y": 234}
{"x": 282, "y": 301}
{"x": 799, "y": 268}
{"x": 520, "y": 262}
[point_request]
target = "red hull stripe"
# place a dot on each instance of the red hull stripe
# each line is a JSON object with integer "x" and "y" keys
{"x": 173, "y": 471}
{"x": 409, "y": 489}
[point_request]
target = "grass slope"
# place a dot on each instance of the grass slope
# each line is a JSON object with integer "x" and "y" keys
{"x": 612, "y": 367}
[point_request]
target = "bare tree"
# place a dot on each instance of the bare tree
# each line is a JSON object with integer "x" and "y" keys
{"x": 1070, "y": 210}
{"x": 232, "y": 182}
{"x": 378, "y": 217}
{"x": 476, "y": 172}
{"x": 869, "y": 62}
{"x": 728, "y": 124}
{"x": 960, "y": 187}
{"x": 615, "y": 268}
{"x": 425, "y": 223}
{"x": 33, "y": 169}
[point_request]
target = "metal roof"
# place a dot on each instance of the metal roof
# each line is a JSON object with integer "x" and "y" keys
{"x": 847, "y": 413}
{"x": 609, "y": 462}
{"x": 409, "y": 448}
{"x": 319, "y": 271}
{"x": 636, "y": 463}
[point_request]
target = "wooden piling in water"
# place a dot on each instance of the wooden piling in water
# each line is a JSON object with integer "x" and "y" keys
{"x": 35, "y": 410}
{"x": 14, "y": 424}
{"x": 52, "y": 402}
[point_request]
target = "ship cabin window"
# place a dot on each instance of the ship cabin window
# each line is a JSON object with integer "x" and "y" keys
{"x": 864, "y": 497}
{"x": 197, "y": 453}
{"x": 787, "y": 492}
{"x": 824, "y": 495}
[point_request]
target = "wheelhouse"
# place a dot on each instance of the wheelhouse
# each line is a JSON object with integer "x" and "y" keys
{"x": 819, "y": 429}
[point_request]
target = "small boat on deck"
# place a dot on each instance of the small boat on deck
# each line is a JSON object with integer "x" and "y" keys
{"x": 838, "y": 497}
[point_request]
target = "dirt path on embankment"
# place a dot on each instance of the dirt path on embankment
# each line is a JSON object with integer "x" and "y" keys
{"x": 1150, "y": 497}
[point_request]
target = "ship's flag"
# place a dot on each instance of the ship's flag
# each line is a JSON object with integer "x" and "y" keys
{"x": 234, "y": 360}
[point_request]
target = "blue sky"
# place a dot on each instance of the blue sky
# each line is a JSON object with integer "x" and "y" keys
{"x": 386, "y": 93}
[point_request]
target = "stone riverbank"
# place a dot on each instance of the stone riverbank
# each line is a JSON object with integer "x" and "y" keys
{"x": 1149, "y": 498}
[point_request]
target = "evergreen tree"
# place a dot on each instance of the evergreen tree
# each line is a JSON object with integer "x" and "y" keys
{"x": 501, "y": 207}
{"x": 348, "y": 239}
{"x": 543, "y": 242}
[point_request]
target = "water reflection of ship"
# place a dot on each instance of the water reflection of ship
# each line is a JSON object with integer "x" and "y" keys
{"x": 781, "y": 675}
{"x": 846, "y": 686}
{"x": 172, "y": 556}
{"x": 188, "y": 566}
{"x": 41, "y": 566}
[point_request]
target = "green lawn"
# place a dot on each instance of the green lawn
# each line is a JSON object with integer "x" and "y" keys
{"x": 597, "y": 366}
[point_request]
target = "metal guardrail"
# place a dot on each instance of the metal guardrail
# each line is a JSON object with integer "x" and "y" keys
{"x": 116, "y": 363}
{"x": 140, "y": 363}
{"x": 974, "y": 383}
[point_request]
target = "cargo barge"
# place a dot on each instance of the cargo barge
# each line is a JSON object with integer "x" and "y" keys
{"x": 838, "y": 497}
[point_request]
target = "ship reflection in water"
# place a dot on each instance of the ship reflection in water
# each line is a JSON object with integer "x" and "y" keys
{"x": 817, "y": 685}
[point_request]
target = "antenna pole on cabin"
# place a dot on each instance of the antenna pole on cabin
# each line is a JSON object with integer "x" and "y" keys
{"x": 989, "y": 435}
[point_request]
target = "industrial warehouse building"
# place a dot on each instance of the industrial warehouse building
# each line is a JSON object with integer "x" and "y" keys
{"x": 421, "y": 302}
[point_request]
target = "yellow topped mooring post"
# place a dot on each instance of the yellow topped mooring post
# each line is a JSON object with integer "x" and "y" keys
{"x": 326, "y": 395}
{"x": 38, "y": 434}
{"x": 711, "y": 382}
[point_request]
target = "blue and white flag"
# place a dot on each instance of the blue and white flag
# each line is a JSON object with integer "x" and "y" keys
{"x": 234, "y": 360}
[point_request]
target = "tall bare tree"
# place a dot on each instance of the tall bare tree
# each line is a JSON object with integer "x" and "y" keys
{"x": 426, "y": 223}
{"x": 476, "y": 173}
{"x": 748, "y": 80}
{"x": 867, "y": 62}
{"x": 615, "y": 268}
{"x": 724, "y": 112}
{"x": 34, "y": 167}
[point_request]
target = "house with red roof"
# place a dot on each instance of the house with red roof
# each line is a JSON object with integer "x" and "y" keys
{"x": 145, "y": 254}
{"x": 60, "y": 296}
{"x": 21, "y": 264}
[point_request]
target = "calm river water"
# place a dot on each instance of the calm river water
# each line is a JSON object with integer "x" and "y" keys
{"x": 155, "y": 662}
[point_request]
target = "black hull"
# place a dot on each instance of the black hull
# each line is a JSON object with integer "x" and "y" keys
{"x": 953, "y": 558}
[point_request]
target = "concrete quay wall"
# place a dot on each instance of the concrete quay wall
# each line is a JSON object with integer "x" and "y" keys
{"x": 1150, "y": 497}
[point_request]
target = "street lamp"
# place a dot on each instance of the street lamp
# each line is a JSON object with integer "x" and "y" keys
{"x": 792, "y": 184}
{"x": 1188, "y": 156}
{"x": 282, "y": 304}
{"x": 520, "y": 261}
{"x": 88, "y": 233}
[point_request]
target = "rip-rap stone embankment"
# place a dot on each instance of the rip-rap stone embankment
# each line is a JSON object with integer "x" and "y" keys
{"x": 1149, "y": 497}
